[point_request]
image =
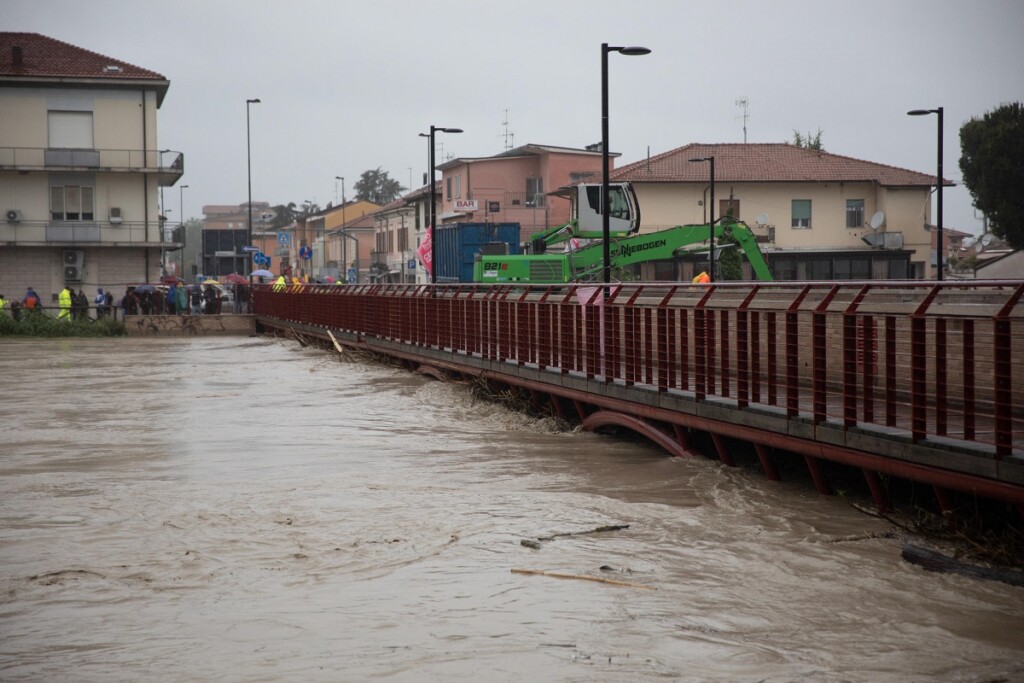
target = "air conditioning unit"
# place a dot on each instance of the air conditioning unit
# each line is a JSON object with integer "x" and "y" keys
{"x": 115, "y": 215}
{"x": 74, "y": 265}
{"x": 13, "y": 216}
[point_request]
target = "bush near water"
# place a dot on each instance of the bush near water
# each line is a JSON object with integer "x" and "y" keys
{"x": 40, "y": 325}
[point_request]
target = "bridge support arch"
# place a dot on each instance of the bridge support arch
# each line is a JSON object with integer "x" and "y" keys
{"x": 610, "y": 418}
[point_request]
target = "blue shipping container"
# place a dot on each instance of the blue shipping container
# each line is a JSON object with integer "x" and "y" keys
{"x": 459, "y": 243}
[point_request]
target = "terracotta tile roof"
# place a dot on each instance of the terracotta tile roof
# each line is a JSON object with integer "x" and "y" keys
{"x": 765, "y": 162}
{"x": 33, "y": 57}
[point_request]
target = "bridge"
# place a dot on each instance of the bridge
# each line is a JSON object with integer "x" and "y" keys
{"x": 912, "y": 380}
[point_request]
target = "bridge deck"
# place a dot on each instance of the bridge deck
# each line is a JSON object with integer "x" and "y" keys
{"x": 895, "y": 377}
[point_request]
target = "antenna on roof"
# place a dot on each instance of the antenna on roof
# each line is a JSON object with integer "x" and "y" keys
{"x": 508, "y": 135}
{"x": 742, "y": 103}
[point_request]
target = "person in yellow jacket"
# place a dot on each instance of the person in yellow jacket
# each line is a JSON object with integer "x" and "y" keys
{"x": 65, "y": 304}
{"x": 702, "y": 278}
{"x": 3, "y": 305}
{"x": 280, "y": 284}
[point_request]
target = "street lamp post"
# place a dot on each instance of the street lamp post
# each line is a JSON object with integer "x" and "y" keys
{"x": 248, "y": 163}
{"x": 711, "y": 223}
{"x": 433, "y": 202}
{"x": 605, "y": 201}
{"x": 181, "y": 222}
{"x": 939, "y": 247}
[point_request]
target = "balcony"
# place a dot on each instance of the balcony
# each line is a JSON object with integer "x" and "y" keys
{"x": 522, "y": 200}
{"x": 169, "y": 166}
{"x": 84, "y": 233}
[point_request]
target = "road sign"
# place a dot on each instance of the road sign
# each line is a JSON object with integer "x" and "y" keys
{"x": 351, "y": 276}
{"x": 411, "y": 264}
{"x": 305, "y": 253}
{"x": 251, "y": 249}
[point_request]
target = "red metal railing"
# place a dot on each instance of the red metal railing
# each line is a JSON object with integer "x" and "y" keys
{"x": 928, "y": 359}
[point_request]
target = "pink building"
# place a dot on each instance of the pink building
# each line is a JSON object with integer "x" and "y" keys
{"x": 513, "y": 187}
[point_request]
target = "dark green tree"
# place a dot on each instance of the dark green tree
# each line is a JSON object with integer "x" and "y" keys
{"x": 284, "y": 214}
{"x": 376, "y": 186}
{"x": 992, "y": 163}
{"x": 730, "y": 263}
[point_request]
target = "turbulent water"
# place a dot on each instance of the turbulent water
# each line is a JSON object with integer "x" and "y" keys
{"x": 248, "y": 510}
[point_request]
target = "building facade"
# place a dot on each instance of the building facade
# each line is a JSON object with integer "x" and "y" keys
{"x": 80, "y": 169}
{"x": 818, "y": 216}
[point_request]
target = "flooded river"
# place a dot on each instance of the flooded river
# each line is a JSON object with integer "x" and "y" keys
{"x": 241, "y": 509}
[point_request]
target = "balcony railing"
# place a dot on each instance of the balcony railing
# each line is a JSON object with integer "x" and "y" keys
{"x": 105, "y": 233}
{"x": 170, "y": 165}
{"x": 522, "y": 200}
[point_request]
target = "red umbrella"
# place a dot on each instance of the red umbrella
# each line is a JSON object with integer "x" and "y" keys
{"x": 234, "y": 279}
{"x": 171, "y": 280}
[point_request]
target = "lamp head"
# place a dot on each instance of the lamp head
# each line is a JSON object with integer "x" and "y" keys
{"x": 629, "y": 51}
{"x": 450, "y": 130}
{"x": 920, "y": 112}
{"x": 183, "y": 187}
{"x": 338, "y": 177}
{"x": 255, "y": 101}
{"x": 699, "y": 160}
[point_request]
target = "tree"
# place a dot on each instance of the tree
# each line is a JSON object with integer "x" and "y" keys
{"x": 284, "y": 215}
{"x": 809, "y": 141}
{"x": 377, "y": 187}
{"x": 730, "y": 264}
{"x": 992, "y": 148}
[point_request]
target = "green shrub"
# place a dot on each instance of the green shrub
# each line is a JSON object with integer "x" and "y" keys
{"x": 42, "y": 325}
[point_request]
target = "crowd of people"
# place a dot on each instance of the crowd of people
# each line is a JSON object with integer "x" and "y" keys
{"x": 176, "y": 299}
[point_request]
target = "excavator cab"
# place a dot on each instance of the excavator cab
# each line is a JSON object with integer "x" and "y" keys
{"x": 623, "y": 216}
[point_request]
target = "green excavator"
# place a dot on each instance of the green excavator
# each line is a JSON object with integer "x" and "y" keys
{"x": 574, "y": 252}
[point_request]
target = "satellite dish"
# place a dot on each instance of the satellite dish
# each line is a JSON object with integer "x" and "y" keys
{"x": 762, "y": 219}
{"x": 969, "y": 242}
{"x": 986, "y": 239}
{"x": 877, "y": 221}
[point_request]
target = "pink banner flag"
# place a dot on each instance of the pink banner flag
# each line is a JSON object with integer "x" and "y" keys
{"x": 424, "y": 251}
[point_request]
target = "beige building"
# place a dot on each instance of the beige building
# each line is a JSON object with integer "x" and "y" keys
{"x": 80, "y": 169}
{"x": 814, "y": 212}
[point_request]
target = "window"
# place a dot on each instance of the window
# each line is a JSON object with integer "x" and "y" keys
{"x": 535, "y": 192}
{"x": 819, "y": 269}
{"x": 852, "y": 268}
{"x": 802, "y": 213}
{"x": 71, "y": 203}
{"x": 784, "y": 268}
{"x": 448, "y": 187}
{"x": 854, "y": 213}
{"x": 458, "y": 186}
{"x": 729, "y": 207}
{"x": 70, "y": 129}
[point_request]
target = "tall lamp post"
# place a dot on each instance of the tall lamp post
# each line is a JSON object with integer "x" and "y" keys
{"x": 433, "y": 202}
{"x": 938, "y": 189}
{"x": 711, "y": 223}
{"x": 248, "y": 162}
{"x": 181, "y": 222}
{"x": 605, "y": 201}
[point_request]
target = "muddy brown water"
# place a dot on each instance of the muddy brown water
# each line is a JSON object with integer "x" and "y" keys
{"x": 244, "y": 509}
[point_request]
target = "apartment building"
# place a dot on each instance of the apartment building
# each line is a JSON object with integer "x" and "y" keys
{"x": 818, "y": 216}
{"x": 80, "y": 169}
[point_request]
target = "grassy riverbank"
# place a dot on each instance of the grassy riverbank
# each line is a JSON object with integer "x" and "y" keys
{"x": 41, "y": 325}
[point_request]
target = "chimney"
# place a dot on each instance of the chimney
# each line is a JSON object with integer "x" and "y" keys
{"x": 16, "y": 56}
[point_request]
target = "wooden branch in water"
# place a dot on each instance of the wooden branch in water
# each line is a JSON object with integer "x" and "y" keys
{"x": 582, "y": 577}
{"x": 937, "y": 562}
{"x": 597, "y": 530}
{"x": 337, "y": 346}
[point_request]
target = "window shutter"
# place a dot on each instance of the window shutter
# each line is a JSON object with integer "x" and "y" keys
{"x": 70, "y": 129}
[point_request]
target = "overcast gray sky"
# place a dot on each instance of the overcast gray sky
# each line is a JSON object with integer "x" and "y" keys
{"x": 347, "y": 86}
